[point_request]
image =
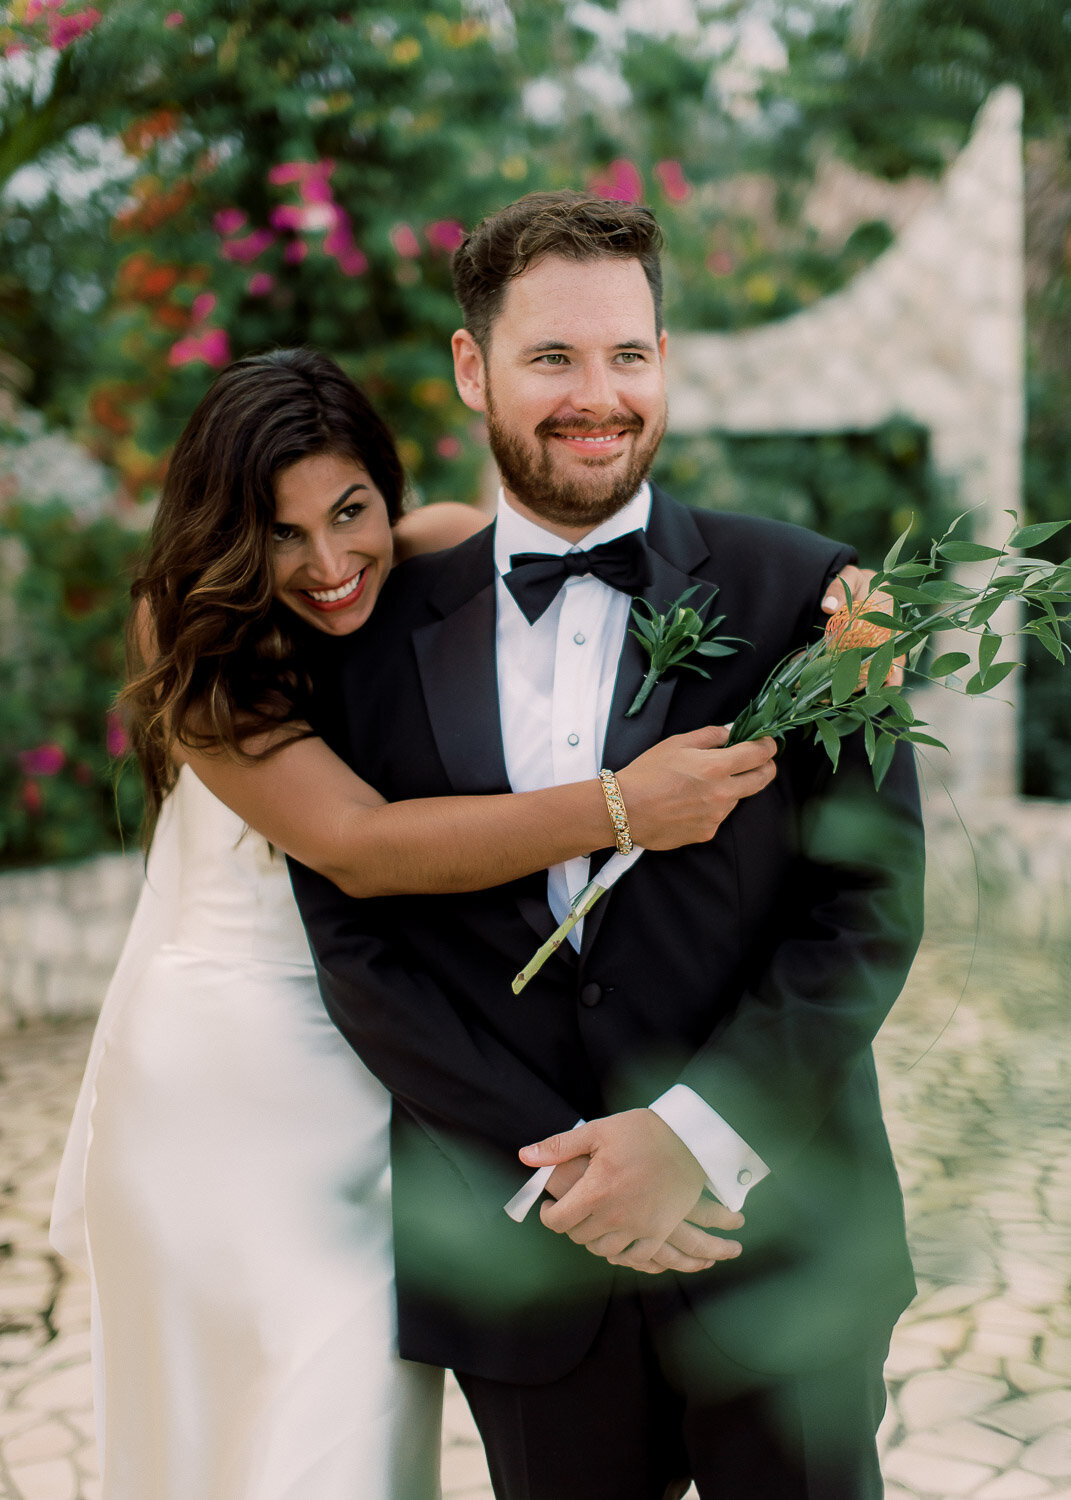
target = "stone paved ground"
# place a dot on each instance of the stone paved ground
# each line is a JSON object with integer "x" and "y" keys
{"x": 980, "y": 1370}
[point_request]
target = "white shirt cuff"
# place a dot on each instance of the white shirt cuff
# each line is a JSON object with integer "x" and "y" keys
{"x": 731, "y": 1166}
{"x": 522, "y": 1200}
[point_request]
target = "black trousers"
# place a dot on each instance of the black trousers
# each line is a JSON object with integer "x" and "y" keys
{"x": 655, "y": 1405}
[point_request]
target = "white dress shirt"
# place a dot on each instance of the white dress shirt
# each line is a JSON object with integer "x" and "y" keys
{"x": 555, "y": 683}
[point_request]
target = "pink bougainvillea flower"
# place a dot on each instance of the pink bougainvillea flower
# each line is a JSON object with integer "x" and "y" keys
{"x": 295, "y": 252}
{"x": 63, "y": 30}
{"x": 229, "y": 221}
{"x": 316, "y": 190}
{"x": 116, "y": 739}
{"x": 31, "y": 797}
{"x": 35, "y": 9}
{"x": 174, "y": 18}
{"x": 405, "y": 241}
{"x": 444, "y": 234}
{"x": 672, "y": 181}
{"x": 300, "y": 171}
{"x": 340, "y": 238}
{"x": 621, "y": 181}
{"x": 203, "y": 306}
{"x": 353, "y": 262}
{"x": 720, "y": 263}
{"x": 261, "y": 284}
{"x": 448, "y": 447}
{"x": 249, "y": 247}
{"x": 44, "y": 760}
{"x": 212, "y": 347}
{"x": 286, "y": 216}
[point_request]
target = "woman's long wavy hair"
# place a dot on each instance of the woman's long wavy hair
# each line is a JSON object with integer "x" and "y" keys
{"x": 222, "y": 664}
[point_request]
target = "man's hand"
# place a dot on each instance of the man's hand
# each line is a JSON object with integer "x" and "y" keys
{"x": 857, "y": 582}
{"x": 637, "y": 1198}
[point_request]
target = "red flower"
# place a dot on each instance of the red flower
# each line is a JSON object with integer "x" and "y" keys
{"x": 621, "y": 181}
{"x": 672, "y": 181}
{"x": 45, "y": 760}
{"x": 116, "y": 739}
{"x": 445, "y": 234}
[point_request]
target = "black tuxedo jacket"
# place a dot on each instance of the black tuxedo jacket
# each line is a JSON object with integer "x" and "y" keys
{"x": 756, "y": 968}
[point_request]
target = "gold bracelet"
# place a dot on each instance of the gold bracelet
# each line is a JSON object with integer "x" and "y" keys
{"x": 615, "y": 806}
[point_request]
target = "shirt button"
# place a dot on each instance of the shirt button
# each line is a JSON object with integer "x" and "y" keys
{"x": 580, "y": 638}
{"x": 574, "y": 739}
{"x": 743, "y": 1177}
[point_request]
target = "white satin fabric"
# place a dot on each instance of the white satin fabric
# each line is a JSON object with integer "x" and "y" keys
{"x": 226, "y": 1186}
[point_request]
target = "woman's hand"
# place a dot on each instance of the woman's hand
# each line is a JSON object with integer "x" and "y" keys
{"x": 682, "y": 789}
{"x": 858, "y": 581}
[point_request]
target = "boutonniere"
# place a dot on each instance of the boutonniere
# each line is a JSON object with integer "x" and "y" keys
{"x": 670, "y": 639}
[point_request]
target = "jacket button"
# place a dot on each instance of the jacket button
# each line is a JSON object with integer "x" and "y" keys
{"x": 591, "y": 994}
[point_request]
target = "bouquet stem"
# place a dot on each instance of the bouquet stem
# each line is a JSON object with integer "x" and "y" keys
{"x": 582, "y": 904}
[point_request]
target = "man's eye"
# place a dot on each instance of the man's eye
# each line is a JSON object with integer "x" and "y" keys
{"x": 552, "y": 359}
{"x": 630, "y": 357}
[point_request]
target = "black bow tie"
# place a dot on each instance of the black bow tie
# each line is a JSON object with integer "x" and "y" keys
{"x": 534, "y": 578}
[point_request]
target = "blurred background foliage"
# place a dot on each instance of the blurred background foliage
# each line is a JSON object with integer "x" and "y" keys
{"x": 182, "y": 186}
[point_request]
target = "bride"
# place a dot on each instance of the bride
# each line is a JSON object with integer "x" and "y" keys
{"x": 225, "y": 1183}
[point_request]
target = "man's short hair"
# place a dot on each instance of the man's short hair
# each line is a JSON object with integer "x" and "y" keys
{"x": 576, "y": 226}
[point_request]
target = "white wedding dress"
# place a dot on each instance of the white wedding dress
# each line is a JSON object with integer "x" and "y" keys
{"x": 226, "y": 1186}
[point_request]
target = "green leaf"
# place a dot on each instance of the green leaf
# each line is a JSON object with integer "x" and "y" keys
{"x": 1030, "y": 536}
{"x": 898, "y": 705}
{"x": 946, "y": 592}
{"x": 869, "y": 740}
{"x": 975, "y": 685}
{"x": 996, "y": 675}
{"x": 845, "y": 678}
{"x": 918, "y": 738}
{"x": 888, "y": 622}
{"x": 715, "y": 648}
{"x": 912, "y": 570}
{"x": 951, "y": 661}
{"x": 988, "y": 645}
{"x": 984, "y": 611}
{"x": 893, "y": 554}
{"x": 880, "y": 665}
{"x": 830, "y": 739}
{"x": 968, "y": 551}
{"x": 882, "y": 758}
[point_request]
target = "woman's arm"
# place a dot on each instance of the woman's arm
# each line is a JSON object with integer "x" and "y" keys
{"x": 310, "y": 804}
{"x": 434, "y": 527}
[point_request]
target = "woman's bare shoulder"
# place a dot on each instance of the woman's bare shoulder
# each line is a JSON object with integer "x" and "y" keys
{"x": 435, "y": 527}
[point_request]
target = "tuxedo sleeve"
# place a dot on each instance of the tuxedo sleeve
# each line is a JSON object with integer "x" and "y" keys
{"x": 848, "y": 926}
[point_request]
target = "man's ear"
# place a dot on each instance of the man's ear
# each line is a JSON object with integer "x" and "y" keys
{"x": 663, "y": 342}
{"x": 469, "y": 370}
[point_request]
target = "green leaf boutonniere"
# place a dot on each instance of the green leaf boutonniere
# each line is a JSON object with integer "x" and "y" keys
{"x": 670, "y": 638}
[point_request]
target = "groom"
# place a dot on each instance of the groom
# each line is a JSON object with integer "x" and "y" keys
{"x": 713, "y": 1024}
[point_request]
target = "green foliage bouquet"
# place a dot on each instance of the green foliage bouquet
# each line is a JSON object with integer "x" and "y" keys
{"x": 838, "y": 685}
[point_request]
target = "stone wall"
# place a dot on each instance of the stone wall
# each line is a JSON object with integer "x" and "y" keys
{"x": 61, "y": 929}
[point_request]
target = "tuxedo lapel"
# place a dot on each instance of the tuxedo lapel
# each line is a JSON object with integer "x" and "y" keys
{"x": 676, "y": 547}
{"x": 456, "y": 661}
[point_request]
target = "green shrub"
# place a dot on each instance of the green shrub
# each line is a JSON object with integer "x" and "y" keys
{"x": 65, "y": 791}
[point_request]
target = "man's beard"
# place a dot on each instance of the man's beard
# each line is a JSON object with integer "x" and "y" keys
{"x": 529, "y": 473}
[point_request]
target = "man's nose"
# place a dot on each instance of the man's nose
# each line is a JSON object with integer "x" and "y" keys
{"x": 593, "y": 390}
